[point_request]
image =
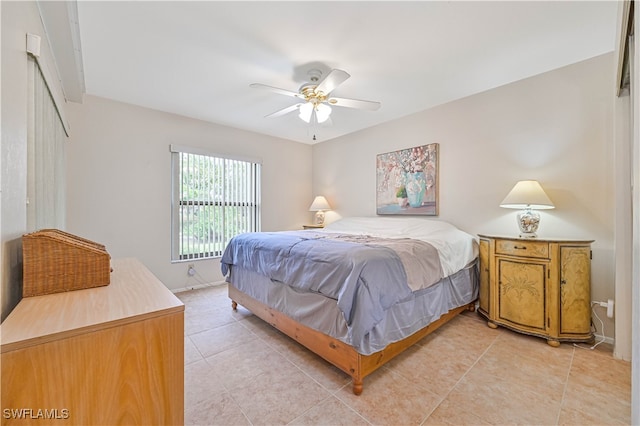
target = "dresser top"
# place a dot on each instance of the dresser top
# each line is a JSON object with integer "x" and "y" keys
{"x": 133, "y": 294}
{"x": 544, "y": 240}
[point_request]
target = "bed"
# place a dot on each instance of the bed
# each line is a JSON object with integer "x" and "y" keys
{"x": 359, "y": 291}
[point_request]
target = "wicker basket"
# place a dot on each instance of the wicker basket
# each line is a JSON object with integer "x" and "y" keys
{"x": 56, "y": 261}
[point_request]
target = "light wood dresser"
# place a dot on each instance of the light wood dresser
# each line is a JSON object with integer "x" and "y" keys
{"x": 540, "y": 287}
{"x": 99, "y": 356}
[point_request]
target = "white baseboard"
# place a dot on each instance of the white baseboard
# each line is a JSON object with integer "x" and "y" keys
{"x": 198, "y": 286}
{"x": 609, "y": 340}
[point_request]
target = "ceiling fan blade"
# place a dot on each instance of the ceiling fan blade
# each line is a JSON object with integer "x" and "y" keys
{"x": 283, "y": 111}
{"x": 355, "y": 103}
{"x": 276, "y": 90}
{"x": 332, "y": 80}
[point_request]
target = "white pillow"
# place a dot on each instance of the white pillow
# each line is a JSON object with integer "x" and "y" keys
{"x": 456, "y": 248}
{"x": 411, "y": 227}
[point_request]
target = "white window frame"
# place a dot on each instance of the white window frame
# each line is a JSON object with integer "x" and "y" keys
{"x": 213, "y": 204}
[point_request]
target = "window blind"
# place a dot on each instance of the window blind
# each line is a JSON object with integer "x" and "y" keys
{"x": 214, "y": 199}
{"x": 46, "y": 136}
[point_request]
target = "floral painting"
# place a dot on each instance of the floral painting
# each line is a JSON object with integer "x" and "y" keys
{"x": 407, "y": 181}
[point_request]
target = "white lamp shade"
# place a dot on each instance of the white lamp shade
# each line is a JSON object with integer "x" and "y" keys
{"x": 305, "y": 112}
{"x": 527, "y": 194}
{"x": 323, "y": 112}
{"x": 319, "y": 204}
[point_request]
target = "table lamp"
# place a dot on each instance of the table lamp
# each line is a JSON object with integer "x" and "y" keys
{"x": 319, "y": 205}
{"x": 529, "y": 196}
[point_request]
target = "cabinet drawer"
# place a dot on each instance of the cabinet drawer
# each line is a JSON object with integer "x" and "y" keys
{"x": 537, "y": 249}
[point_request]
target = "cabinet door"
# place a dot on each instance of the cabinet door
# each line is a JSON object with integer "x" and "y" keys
{"x": 575, "y": 289}
{"x": 522, "y": 294}
{"x": 484, "y": 302}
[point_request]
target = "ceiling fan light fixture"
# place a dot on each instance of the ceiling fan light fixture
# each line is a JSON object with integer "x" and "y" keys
{"x": 306, "y": 110}
{"x": 316, "y": 105}
{"x": 323, "y": 111}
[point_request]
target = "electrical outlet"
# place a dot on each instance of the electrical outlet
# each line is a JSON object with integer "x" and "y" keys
{"x": 191, "y": 270}
{"x": 610, "y": 308}
{"x": 608, "y": 304}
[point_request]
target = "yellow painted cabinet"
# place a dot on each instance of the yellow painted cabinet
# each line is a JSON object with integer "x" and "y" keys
{"x": 484, "y": 276}
{"x": 522, "y": 295}
{"x": 537, "y": 287}
{"x": 575, "y": 298}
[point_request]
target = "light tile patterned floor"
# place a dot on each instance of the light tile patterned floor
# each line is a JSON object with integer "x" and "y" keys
{"x": 240, "y": 371}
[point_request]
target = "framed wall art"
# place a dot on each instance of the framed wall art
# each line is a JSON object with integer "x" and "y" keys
{"x": 407, "y": 181}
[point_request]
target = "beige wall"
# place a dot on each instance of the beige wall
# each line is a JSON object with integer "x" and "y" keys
{"x": 119, "y": 186}
{"x": 555, "y": 128}
{"x": 18, "y": 19}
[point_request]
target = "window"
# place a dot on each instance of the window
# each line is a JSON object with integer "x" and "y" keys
{"x": 214, "y": 198}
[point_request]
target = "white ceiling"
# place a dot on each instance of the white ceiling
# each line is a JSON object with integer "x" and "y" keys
{"x": 197, "y": 59}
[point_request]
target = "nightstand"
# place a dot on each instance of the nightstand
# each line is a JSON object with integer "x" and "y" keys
{"x": 312, "y": 226}
{"x": 540, "y": 287}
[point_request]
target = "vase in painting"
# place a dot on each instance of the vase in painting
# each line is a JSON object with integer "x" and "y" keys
{"x": 416, "y": 187}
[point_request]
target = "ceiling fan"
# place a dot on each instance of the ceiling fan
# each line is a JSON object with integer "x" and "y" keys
{"x": 316, "y": 96}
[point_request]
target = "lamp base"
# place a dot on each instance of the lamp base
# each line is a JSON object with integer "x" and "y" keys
{"x": 528, "y": 221}
{"x": 319, "y": 220}
{"x": 528, "y": 235}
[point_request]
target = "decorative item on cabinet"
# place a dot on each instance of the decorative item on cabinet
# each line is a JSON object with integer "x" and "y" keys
{"x": 529, "y": 196}
{"x": 538, "y": 287}
{"x": 56, "y": 261}
{"x": 319, "y": 205}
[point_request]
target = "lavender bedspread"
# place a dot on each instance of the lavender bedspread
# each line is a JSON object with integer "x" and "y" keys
{"x": 366, "y": 275}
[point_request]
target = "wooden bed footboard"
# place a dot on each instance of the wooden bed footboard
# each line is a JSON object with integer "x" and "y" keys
{"x": 338, "y": 353}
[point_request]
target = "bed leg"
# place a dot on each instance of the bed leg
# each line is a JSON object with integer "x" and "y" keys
{"x": 234, "y": 305}
{"x": 471, "y": 307}
{"x": 357, "y": 386}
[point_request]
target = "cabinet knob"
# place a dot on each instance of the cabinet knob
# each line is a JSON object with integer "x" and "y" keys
{"x": 520, "y": 248}
{"x": 563, "y": 282}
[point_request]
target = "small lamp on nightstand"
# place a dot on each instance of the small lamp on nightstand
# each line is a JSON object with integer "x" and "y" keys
{"x": 319, "y": 205}
{"x": 529, "y": 196}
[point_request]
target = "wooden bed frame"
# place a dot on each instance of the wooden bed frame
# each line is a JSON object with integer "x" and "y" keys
{"x": 338, "y": 353}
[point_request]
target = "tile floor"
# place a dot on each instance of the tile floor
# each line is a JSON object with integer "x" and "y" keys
{"x": 240, "y": 371}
